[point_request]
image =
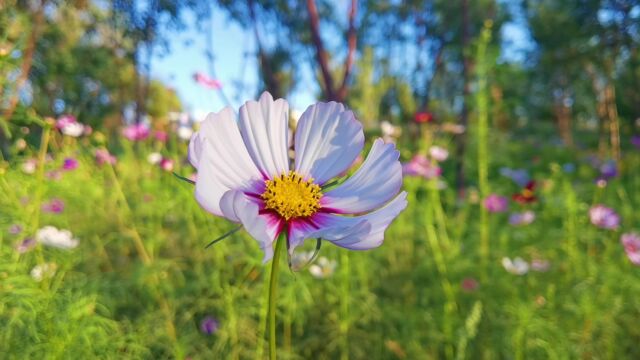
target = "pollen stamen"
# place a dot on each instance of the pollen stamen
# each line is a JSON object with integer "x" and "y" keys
{"x": 291, "y": 196}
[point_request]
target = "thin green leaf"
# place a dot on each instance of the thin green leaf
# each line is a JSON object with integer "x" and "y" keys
{"x": 229, "y": 233}
{"x": 184, "y": 179}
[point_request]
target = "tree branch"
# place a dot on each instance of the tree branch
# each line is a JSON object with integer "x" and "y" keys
{"x": 351, "y": 41}
{"x": 321, "y": 54}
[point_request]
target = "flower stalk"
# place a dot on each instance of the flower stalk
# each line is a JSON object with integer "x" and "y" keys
{"x": 273, "y": 289}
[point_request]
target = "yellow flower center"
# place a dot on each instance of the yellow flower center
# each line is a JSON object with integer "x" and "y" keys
{"x": 291, "y": 196}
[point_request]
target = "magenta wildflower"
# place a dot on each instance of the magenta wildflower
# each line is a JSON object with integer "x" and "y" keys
{"x": 206, "y": 81}
{"x": 209, "y": 325}
{"x": 635, "y": 141}
{"x": 495, "y": 203}
{"x": 469, "y": 284}
{"x": 604, "y": 217}
{"x": 136, "y": 132}
{"x": 25, "y": 245}
{"x": 54, "y": 206}
{"x": 161, "y": 135}
{"x": 69, "y": 164}
{"x": 166, "y": 164}
{"x": 104, "y": 157}
{"x": 64, "y": 121}
{"x": 421, "y": 166}
{"x": 631, "y": 243}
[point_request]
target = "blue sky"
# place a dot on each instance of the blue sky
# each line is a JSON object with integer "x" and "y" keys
{"x": 235, "y": 62}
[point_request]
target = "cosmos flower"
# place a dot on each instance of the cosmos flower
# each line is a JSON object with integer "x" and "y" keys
{"x": 136, "y": 132}
{"x": 209, "y": 325}
{"x": 245, "y": 175}
{"x": 166, "y": 164}
{"x": 631, "y": 243}
{"x": 323, "y": 268}
{"x": 438, "y": 153}
{"x": 184, "y": 132}
{"x": 74, "y": 129}
{"x": 495, "y": 203}
{"x": 69, "y": 164}
{"x": 53, "y": 206}
{"x": 206, "y": 81}
{"x": 46, "y": 270}
{"x": 160, "y": 135}
{"x": 29, "y": 166}
{"x": 526, "y": 196}
{"x": 61, "y": 239}
{"x": 64, "y": 121}
{"x": 390, "y": 132}
{"x": 421, "y": 166}
{"x": 154, "y": 158}
{"x": 604, "y": 217}
{"x": 516, "y": 266}
{"x": 469, "y": 284}
{"x": 104, "y": 157}
{"x": 523, "y": 218}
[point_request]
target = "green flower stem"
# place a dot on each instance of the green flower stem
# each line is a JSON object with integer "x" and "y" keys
{"x": 273, "y": 287}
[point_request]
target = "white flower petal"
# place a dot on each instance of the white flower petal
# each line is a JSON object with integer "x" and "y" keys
{"x": 264, "y": 129}
{"x": 327, "y": 141}
{"x": 371, "y": 186}
{"x": 353, "y": 232}
{"x": 237, "y": 207}
{"x": 222, "y": 160}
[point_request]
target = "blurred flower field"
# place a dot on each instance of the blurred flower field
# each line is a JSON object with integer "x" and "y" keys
{"x": 464, "y": 183}
{"x": 103, "y": 256}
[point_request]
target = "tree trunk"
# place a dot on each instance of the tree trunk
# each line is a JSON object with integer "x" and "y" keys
{"x": 461, "y": 139}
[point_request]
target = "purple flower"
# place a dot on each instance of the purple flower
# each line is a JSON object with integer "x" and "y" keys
{"x": 104, "y": 157}
{"x": 635, "y": 141}
{"x": 604, "y": 217}
{"x": 421, "y": 166}
{"x": 608, "y": 170}
{"x": 70, "y": 164}
{"x": 136, "y": 132}
{"x": 519, "y": 176}
{"x": 15, "y": 229}
{"x": 161, "y": 136}
{"x": 495, "y": 203}
{"x": 25, "y": 245}
{"x": 631, "y": 243}
{"x": 54, "y": 206}
{"x": 523, "y": 218}
{"x": 209, "y": 325}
